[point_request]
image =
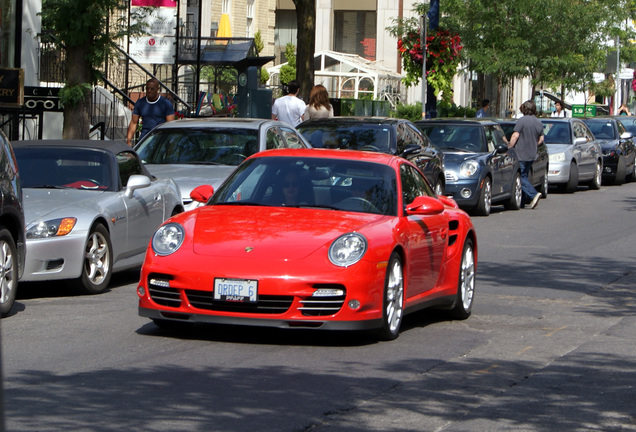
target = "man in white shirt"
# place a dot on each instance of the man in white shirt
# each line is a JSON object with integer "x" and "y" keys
{"x": 289, "y": 108}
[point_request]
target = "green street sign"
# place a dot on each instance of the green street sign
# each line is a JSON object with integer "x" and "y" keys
{"x": 583, "y": 110}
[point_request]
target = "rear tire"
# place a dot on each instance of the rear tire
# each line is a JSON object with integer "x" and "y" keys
{"x": 393, "y": 301}
{"x": 466, "y": 283}
{"x": 8, "y": 271}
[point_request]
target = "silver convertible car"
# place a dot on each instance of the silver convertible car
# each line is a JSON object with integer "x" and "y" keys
{"x": 90, "y": 209}
{"x": 195, "y": 152}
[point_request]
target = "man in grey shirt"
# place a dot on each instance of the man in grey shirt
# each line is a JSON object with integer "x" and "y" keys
{"x": 527, "y": 135}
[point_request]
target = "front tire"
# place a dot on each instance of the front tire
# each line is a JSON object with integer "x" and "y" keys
{"x": 485, "y": 199}
{"x": 544, "y": 186}
{"x": 8, "y": 272}
{"x": 393, "y": 303}
{"x": 514, "y": 203}
{"x": 98, "y": 258}
{"x": 621, "y": 171}
{"x": 466, "y": 283}
{"x": 573, "y": 180}
{"x": 439, "y": 187}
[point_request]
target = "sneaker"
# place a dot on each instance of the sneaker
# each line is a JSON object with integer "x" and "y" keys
{"x": 535, "y": 201}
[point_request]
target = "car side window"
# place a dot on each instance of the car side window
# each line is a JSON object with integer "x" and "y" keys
{"x": 291, "y": 138}
{"x": 579, "y": 130}
{"x": 491, "y": 139}
{"x": 129, "y": 165}
{"x": 402, "y": 138}
{"x": 272, "y": 140}
{"x": 621, "y": 128}
{"x": 413, "y": 184}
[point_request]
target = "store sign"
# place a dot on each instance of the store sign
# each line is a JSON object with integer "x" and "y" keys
{"x": 159, "y": 46}
{"x": 11, "y": 87}
{"x": 42, "y": 99}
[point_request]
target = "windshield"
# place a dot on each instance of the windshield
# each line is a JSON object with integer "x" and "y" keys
{"x": 603, "y": 130}
{"x": 370, "y": 137}
{"x": 557, "y": 132}
{"x": 456, "y": 137}
{"x": 214, "y": 146}
{"x": 77, "y": 168}
{"x": 312, "y": 182}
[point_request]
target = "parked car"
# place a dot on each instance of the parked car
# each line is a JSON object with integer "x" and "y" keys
{"x": 90, "y": 208}
{"x": 575, "y": 154}
{"x": 480, "y": 171}
{"x": 398, "y": 137}
{"x": 619, "y": 152}
{"x": 539, "y": 173}
{"x": 205, "y": 151}
{"x": 370, "y": 243}
{"x": 12, "y": 237}
{"x": 629, "y": 122}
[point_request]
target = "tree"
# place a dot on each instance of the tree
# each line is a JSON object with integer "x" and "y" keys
{"x": 80, "y": 28}
{"x": 288, "y": 71}
{"x": 306, "y": 43}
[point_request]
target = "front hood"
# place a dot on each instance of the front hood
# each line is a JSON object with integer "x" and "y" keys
{"x": 607, "y": 145}
{"x": 187, "y": 177}
{"x": 45, "y": 204}
{"x": 271, "y": 233}
{"x": 452, "y": 160}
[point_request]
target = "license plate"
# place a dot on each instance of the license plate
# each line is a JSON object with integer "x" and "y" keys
{"x": 236, "y": 290}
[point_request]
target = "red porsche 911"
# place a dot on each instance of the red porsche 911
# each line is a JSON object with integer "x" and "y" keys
{"x": 315, "y": 239}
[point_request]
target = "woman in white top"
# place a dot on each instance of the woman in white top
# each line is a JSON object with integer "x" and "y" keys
{"x": 318, "y": 106}
{"x": 559, "y": 112}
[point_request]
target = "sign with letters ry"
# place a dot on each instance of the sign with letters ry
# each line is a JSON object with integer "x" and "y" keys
{"x": 11, "y": 87}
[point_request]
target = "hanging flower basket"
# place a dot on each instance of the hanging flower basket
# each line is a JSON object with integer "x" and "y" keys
{"x": 443, "y": 51}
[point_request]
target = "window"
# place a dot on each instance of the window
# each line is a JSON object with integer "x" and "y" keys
{"x": 355, "y": 33}
{"x": 413, "y": 184}
{"x": 226, "y": 6}
{"x": 249, "y": 27}
{"x": 128, "y": 165}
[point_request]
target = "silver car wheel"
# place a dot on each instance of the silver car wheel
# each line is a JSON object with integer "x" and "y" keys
{"x": 393, "y": 302}
{"x": 467, "y": 277}
{"x": 8, "y": 274}
{"x": 97, "y": 258}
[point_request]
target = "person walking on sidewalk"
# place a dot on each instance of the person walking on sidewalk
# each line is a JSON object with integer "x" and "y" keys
{"x": 289, "y": 108}
{"x": 527, "y": 136}
{"x": 153, "y": 109}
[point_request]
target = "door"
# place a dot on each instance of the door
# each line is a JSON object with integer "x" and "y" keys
{"x": 426, "y": 235}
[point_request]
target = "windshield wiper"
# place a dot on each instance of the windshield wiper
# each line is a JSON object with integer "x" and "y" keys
{"x": 45, "y": 186}
{"x": 239, "y": 203}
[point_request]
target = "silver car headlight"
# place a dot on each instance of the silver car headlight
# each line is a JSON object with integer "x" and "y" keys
{"x": 469, "y": 168}
{"x": 168, "y": 239}
{"x": 347, "y": 249}
{"x": 557, "y": 157}
{"x": 51, "y": 228}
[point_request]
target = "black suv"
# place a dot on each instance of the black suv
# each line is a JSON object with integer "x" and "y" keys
{"x": 12, "y": 241}
{"x": 394, "y": 136}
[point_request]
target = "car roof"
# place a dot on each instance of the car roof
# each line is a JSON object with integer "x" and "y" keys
{"x": 353, "y": 120}
{"x": 357, "y": 155}
{"x": 218, "y": 122}
{"x": 458, "y": 121}
{"x": 113, "y": 146}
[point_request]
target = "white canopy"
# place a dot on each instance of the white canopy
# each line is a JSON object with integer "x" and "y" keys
{"x": 351, "y": 76}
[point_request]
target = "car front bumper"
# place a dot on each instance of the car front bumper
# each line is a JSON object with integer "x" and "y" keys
{"x": 559, "y": 172}
{"x": 466, "y": 193}
{"x": 54, "y": 258}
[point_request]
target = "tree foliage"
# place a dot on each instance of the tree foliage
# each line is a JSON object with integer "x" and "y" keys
{"x": 288, "y": 71}
{"x": 82, "y": 30}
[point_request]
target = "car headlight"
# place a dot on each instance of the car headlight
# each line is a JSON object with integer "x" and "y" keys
{"x": 51, "y": 228}
{"x": 167, "y": 239}
{"x": 347, "y": 249}
{"x": 469, "y": 168}
{"x": 557, "y": 157}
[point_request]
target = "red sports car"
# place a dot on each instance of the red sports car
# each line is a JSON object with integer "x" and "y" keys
{"x": 316, "y": 239}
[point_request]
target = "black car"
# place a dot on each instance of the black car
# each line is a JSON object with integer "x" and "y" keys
{"x": 12, "y": 240}
{"x": 480, "y": 169}
{"x": 619, "y": 152}
{"x": 539, "y": 173}
{"x": 379, "y": 134}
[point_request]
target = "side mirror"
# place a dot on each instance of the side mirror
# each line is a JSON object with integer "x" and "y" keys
{"x": 202, "y": 193}
{"x": 579, "y": 141}
{"x": 411, "y": 149}
{"x": 627, "y": 135}
{"x": 425, "y": 206}
{"x": 501, "y": 148}
{"x": 136, "y": 181}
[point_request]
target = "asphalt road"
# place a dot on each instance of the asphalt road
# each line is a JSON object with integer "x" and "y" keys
{"x": 550, "y": 346}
